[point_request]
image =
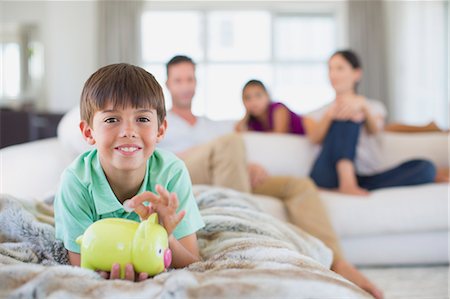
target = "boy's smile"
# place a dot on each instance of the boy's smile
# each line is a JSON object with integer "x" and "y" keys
{"x": 128, "y": 149}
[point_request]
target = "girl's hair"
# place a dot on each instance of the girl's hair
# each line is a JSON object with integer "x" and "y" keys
{"x": 352, "y": 58}
{"x": 254, "y": 82}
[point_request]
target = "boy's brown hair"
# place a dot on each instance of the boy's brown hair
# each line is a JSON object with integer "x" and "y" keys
{"x": 121, "y": 85}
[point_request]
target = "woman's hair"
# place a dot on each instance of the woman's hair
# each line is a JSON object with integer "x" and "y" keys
{"x": 352, "y": 58}
{"x": 254, "y": 82}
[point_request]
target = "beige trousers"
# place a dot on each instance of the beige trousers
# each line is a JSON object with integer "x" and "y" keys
{"x": 222, "y": 162}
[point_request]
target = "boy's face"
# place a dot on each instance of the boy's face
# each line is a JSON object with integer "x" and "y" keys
{"x": 125, "y": 138}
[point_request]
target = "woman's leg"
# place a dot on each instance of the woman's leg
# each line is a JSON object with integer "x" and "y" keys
{"x": 334, "y": 166}
{"x": 414, "y": 172}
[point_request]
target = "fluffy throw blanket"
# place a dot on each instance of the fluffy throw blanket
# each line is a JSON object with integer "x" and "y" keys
{"x": 246, "y": 254}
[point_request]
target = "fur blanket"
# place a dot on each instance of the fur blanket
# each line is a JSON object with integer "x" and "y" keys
{"x": 246, "y": 254}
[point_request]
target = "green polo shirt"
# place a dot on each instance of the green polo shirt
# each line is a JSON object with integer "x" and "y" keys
{"x": 85, "y": 196}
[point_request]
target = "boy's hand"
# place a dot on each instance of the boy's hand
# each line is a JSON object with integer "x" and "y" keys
{"x": 129, "y": 273}
{"x": 165, "y": 204}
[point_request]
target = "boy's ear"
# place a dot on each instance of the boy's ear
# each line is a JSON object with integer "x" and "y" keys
{"x": 86, "y": 131}
{"x": 161, "y": 131}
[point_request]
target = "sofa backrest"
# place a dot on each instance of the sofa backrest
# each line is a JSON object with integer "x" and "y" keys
{"x": 283, "y": 154}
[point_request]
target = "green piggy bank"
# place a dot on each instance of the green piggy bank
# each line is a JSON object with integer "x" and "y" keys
{"x": 123, "y": 241}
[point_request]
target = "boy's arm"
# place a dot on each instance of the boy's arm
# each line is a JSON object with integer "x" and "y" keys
{"x": 185, "y": 250}
{"x": 74, "y": 258}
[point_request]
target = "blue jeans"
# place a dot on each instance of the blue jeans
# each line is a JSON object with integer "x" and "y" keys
{"x": 340, "y": 143}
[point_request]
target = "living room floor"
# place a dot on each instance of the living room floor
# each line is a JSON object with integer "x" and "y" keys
{"x": 424, "y": 282}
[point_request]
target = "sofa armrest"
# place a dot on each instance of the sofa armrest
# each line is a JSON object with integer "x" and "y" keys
{"x": 33, "y": 169}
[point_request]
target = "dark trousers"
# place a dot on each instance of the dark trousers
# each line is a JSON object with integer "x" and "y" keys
{"x": 340, "y": 143}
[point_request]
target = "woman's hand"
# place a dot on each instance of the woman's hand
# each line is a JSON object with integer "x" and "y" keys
{"x": 165, "y": 204}
{"x": 129, "y": 273}
{"x": 352, "y": 108}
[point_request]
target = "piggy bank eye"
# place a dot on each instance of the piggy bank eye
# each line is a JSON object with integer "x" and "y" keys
{"x": 159, "y": 251}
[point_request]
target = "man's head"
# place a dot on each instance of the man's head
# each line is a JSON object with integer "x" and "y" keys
{"x": 123, "y": 113}
{"x": 181, "y": 81}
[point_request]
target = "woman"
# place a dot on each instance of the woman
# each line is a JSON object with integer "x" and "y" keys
{"x": 348, "y": 131}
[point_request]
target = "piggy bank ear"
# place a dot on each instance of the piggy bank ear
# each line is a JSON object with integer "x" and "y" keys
{"x": 153, "y": 219}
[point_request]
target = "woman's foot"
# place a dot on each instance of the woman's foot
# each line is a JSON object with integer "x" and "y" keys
{"x": 348, "y": 184}
{"x": 353, "y": 190}
{"x": 349, "y": 272}
{"x": 442, "y": 175}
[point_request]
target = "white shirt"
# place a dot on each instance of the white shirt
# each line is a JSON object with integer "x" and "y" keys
{"x": 181, "y": 135}
{"x": 368, "y": 150}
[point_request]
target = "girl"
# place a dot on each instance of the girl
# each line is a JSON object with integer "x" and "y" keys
{"x": 263, "y": 115}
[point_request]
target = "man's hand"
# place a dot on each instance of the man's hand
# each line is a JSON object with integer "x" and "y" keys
{"x": 257, "y": 174}
{"x": 165, "y": 204}
{"x": 129, "y": 273}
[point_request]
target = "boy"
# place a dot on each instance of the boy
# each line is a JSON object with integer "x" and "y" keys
{"x": 123, "y": 115}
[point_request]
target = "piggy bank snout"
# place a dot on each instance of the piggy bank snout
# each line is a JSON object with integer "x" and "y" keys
{"x": 167, "y": 258}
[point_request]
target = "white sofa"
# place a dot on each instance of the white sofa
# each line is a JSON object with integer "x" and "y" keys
{"x": 395, "y": 226}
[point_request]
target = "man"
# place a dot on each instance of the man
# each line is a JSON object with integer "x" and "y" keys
{"x": 222, "y": 162}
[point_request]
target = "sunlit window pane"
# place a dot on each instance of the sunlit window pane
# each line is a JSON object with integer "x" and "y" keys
{"x": 304, "y": 38}
{"x": 224, "y": 87}
{"x": 10, "y": 70}
{"x": 238, "y": 47}
{"x": 165, "y": 34}
{"x": 239, "y": 36}
{"x": 158, "y": 70}
{"x": 199, "y": 101}
{"x": 303, "y": 87}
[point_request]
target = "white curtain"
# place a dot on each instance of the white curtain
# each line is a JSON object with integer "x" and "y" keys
{"x": 119, "y": 31}
{"x": 417, "y": 62}
{"x": 367, "y": 38}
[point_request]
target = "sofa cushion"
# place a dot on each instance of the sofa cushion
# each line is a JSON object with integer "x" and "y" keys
{"x": 388, "y": 211}
{"x": 280, "y": 154}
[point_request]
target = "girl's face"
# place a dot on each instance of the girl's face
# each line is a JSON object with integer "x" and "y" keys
{"x": 256, "y": 100}
{"x": 343, "y": 76}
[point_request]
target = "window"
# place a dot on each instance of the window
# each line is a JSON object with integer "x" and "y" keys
{"x": 287, "y": 51}
{"x": 10, "y": 70}
{"x": 21, "y": 62}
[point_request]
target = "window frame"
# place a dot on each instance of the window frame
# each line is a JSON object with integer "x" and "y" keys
{"x": 336, "y": 10}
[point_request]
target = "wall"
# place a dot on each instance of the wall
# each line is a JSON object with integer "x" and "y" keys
{"x": 69, "y": 33}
